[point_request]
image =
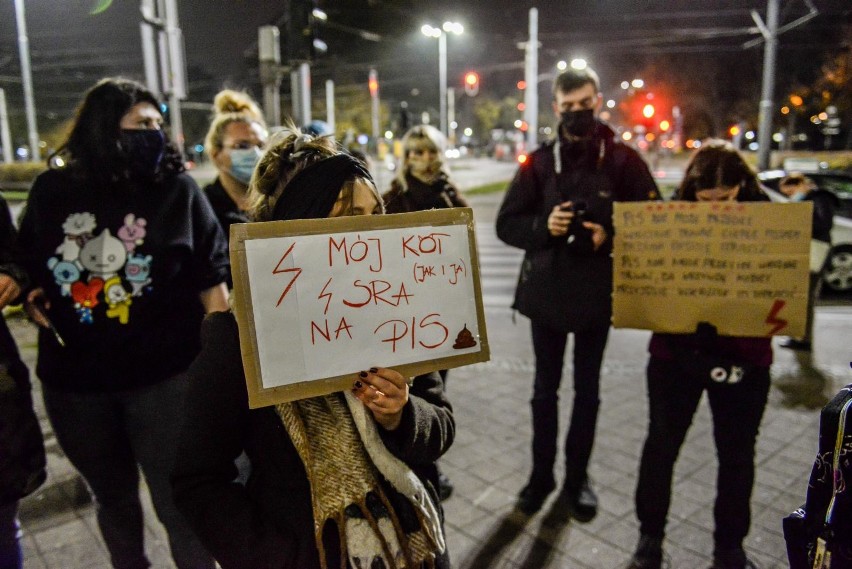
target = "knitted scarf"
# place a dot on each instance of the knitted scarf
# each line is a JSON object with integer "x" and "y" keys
{"x": 345, "y": 461}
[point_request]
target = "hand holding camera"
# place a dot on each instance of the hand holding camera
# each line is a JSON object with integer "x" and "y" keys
{"x": 569, "y": 219}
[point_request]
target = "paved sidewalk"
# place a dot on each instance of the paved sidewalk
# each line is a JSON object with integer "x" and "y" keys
{"x": 490, "y": 461}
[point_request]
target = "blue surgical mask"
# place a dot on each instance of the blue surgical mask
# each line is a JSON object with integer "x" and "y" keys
{"x": 243, "y": 161}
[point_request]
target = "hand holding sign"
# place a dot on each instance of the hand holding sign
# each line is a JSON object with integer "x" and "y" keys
{"x": 384, "y": 392}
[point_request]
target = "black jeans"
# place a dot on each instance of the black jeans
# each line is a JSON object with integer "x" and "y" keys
{"x": 737, "y": 410}
{"x": 549, "y": 346}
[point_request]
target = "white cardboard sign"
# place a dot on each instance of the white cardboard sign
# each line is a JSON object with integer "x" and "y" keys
{"x": 320, "y": 300}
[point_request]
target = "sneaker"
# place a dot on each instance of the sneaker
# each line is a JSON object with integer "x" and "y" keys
{"x": 582, "y": 504}
{"x": 794, "y": 344}
{"x": 445, "y": 487}
{"x": 533, "y": 495}
{"x": 649, "y": 553}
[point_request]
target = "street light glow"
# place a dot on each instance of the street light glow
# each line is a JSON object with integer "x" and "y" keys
{"x": 453, "y": 27}
{"x": 468, "y": 131}
{"x": 561, "y": 65}
{"x": 625, "y": 85}
{"x": 637, "y": 83}
{"x": 610, "y": 104}
{"x": 579, "y": 64}
{"x": 389, "y": 134}
{"x": 431, "y": 32}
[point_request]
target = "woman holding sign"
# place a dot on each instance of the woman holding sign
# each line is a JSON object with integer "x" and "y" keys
{"x": 348, "y": 476}
{"x": 735, "y": 373}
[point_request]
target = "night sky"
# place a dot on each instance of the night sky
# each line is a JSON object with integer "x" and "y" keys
{"x": 72, "y": 48}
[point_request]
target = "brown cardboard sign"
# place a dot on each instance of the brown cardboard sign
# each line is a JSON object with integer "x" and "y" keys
{"x": 319, "y": 300}
{"x": 742, "y": 267}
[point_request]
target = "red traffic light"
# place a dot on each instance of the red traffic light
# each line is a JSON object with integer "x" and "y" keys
{"x": 471, "y": 83}
{"x": 373, "y": 83}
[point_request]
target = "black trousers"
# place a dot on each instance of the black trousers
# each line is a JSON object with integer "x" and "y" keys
{"x": 549, "y": 346}
{"x": 737, "y": 410}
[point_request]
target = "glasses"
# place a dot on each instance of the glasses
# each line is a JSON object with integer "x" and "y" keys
{"x": 245, "y": 145}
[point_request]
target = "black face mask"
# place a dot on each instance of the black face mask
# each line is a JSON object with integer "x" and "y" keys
{"x": 578, "y": 123}
{"x": 144, "y": 149}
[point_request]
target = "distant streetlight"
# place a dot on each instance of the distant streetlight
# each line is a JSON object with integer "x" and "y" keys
{"x": 579, "y": 64}
{"x": 441, "y": 35}
{"x": 561, "y": 65}
{"x": 625, "y": 85}
{"x": 610, "y": 104}
{"x": 637, "y": 83}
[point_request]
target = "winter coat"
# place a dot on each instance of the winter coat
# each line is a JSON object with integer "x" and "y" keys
{"x": 561, "y": 285}
{"x": 268, "y": 522}
{"x": 419, "y": 196}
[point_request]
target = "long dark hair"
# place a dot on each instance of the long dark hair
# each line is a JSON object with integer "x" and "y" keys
{"x": 92, "y": 150}
{"x": 718, "y": 164}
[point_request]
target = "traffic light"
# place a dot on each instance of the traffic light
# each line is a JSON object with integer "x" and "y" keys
{"x": 302, "y": 43}
{"x": 373, "y": 83}
{"x": 471, "y": 83}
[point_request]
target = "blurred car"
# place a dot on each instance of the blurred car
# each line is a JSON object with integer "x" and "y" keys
{"x": 837, "y": 275}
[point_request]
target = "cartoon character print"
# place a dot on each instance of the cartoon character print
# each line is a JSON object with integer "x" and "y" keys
{"x": 137, "y": 271}
{"x": 103, "y": 256}
{"x": 64, "y": 273}
{"x": 117, "y": 299}
{"x": 85, "y": 297}
{"x": 89, "y": 264}
{"x": 78, "y": 228}
{"x": 132, "y": 232}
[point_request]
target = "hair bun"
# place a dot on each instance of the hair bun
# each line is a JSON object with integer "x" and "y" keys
{"x": 230, "y": 101}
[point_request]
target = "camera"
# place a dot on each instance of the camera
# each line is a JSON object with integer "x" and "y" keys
{"x": 579, "y": 238}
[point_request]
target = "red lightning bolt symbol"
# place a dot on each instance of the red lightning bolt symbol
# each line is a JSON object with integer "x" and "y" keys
{"x": 779, "y": 323}
{"x": 326, "y": 295}
{"x": 278, "y": 270}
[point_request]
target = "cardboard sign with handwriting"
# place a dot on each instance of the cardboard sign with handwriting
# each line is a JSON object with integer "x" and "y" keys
{"x": 742, "y": 267}
{"x": 319, "y": 300}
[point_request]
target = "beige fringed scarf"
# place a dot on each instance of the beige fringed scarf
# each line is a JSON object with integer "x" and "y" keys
{"x": 343, "y": 455}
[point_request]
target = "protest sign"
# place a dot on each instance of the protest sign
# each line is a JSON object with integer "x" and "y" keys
{"x": 319, "y": 300}
{"x": 742, "y": 267}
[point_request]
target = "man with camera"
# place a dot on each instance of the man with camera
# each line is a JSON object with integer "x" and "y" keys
{"x": 558, "y": 208}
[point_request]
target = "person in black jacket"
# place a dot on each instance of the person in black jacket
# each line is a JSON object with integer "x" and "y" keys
{"x": 422, "y": 181}
{"x": 558, "y": 209}
{"x": 799, "y": 188}
{"x": 314, "y": 498}
{"x": 126, "y": 257}
{"x": 234, "y": 143}
{"x": 22, "y": 459}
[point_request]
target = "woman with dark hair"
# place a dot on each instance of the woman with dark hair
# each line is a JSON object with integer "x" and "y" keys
{"x": 126, "y": 257}
{"x": 716, "y": 172}
{"x": 342, "y": 480}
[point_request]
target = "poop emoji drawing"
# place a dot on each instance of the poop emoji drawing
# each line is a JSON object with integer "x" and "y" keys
{"x": 464, "y": 340}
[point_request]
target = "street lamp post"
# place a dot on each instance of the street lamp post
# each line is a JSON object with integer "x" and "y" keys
{"x": 441, "y": 35}
{"x": 27, "y": 80}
